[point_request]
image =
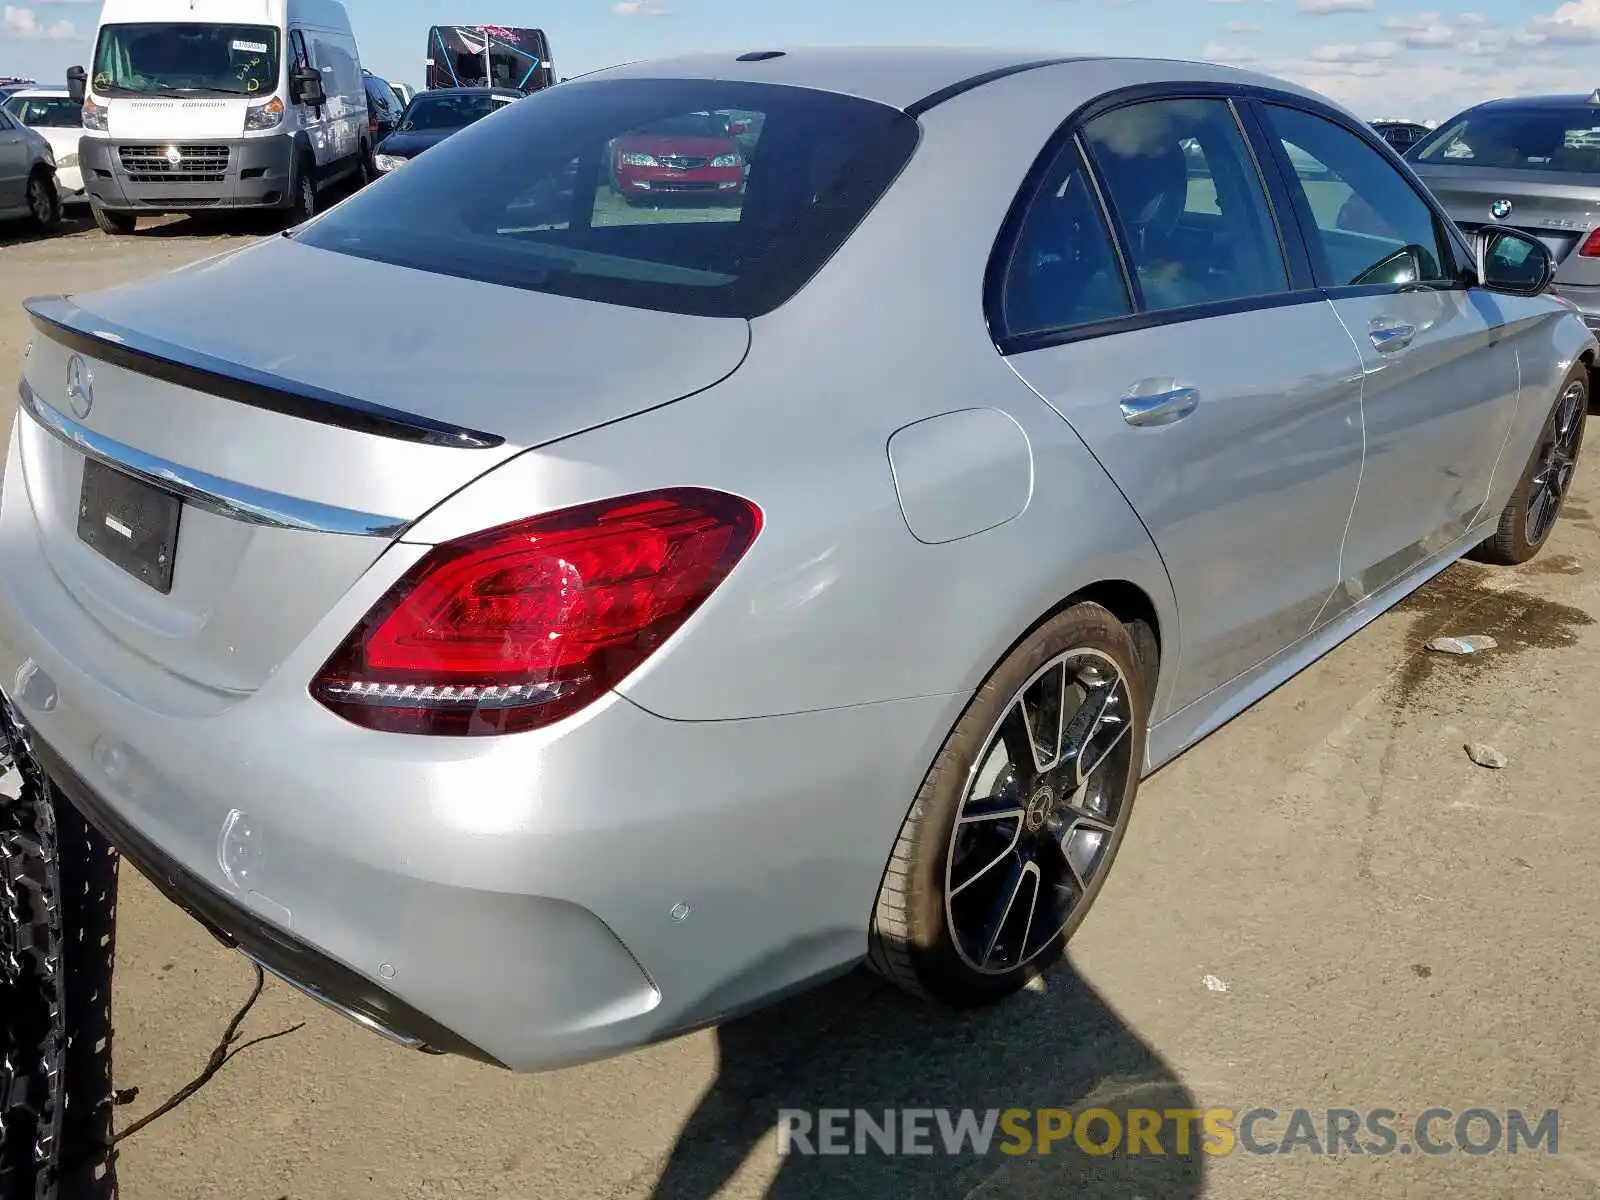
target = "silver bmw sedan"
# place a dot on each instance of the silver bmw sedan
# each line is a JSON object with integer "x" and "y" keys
{"x": 723, "y": 519}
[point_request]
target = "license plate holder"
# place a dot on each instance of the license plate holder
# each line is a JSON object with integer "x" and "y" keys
{"x": 130, "y": 523}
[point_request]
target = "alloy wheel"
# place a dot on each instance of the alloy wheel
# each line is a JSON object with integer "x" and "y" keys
{"x": 40, "y": 203}
{"x": 1558, "y": 462}
{"x": 1042, "y": 814}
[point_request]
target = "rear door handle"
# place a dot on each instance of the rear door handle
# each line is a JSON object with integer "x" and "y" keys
{"x": 1159, "y": 408}
{"x": 1389, "y": 336}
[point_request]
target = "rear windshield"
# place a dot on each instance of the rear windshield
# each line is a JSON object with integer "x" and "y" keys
{"x": 1518, "y": 139}
{"x": 580, "y": 190}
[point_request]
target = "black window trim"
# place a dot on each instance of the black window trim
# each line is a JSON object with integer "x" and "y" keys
{"x": 1270, "y": 161}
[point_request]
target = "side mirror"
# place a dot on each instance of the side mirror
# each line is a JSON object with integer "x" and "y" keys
{"x": 1513, "y": 262}
{"x": 77, "y": 84}
{"x": 308, "y": 89}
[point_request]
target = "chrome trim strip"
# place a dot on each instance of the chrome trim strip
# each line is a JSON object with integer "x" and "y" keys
{"x": 225, "y": 498}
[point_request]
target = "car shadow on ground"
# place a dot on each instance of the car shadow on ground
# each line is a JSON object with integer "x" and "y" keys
{"x": 74, "y": 219}
{"x": 858, "y": 1044}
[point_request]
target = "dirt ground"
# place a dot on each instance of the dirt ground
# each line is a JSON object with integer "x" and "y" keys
{"x": 1326, "y": 904}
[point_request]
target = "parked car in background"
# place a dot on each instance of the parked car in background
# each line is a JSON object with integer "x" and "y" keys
{"x": 405, "y": 91}
{"x": 28, "y": 188}
{"x": 685, "y": 606}
{"x": 384, "y": 107}
{"x": 695, "y": 156}
{"x": 1402, "y": 135}
{"x": 1531, "y": 163}
{"x": 433, "y": 116}
{"x": 58, "y": 118}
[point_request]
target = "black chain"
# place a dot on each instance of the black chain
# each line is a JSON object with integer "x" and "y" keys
{"x": 58, "y": 889}
{"x": 33, "y": 1010}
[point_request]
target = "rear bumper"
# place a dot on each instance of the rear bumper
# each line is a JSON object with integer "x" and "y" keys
{"x": 137, "y": 176}
{"x": 290, "y": 959}
{"x": 1586, "y": 298}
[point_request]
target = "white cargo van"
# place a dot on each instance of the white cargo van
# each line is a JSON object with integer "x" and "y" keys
{"x": 196, "y": 105}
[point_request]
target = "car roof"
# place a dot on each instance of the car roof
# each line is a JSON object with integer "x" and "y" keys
{"x": 905, "y": 77}
{"x": 40, "y": 93}
{"x": 1575, "y": 100}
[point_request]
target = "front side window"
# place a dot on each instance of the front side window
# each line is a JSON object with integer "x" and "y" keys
{"x": 1369, "y": 226}
{"x": 186, "y": 58}
{"x": 1519, "y": 138}
{"x": 1063, "y": 270}
{"x": 632, "y": 192}
{"x": 1193, "y": 213}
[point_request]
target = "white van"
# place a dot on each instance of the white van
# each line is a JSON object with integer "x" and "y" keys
{"x": 219, "y": 104}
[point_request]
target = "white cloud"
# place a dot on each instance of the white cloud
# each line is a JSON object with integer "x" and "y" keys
{"x": 1242, "y": 27}
{"x": 1574, "y": 24}
{"x": 1231, "y": 54}
{"x": 639, "y": 8}
{"x": 1354, "y": 52}
{"x": 1324, "y": 8}
{"x": 24, "y": 25}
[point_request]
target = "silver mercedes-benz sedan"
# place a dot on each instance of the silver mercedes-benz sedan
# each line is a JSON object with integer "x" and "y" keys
{"x": 539, "y": 608}
{"x": 1533, "y": 163}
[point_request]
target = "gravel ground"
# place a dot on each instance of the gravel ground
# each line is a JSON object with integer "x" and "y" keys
{"x": 1326, "y": 904}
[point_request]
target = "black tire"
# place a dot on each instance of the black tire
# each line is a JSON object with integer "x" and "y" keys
{"x": 366, "y": 172}
{"x": 1534, "y": 508}
{"x": 303, "y": 202}
{"x": 44, "y": 202}
{"x": 913, "y": 940}
{"x": 113, "y": 224}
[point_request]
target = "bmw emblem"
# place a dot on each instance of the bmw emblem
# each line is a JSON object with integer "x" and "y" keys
{"x": 1500, "y": 209}
{"x": 80, "y": 387}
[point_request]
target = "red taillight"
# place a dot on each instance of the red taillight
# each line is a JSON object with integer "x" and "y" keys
{"x": 1591, "y": 246}
{"x": 520, "y": 626}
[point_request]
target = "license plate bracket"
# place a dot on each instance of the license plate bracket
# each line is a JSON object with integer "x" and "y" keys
{"x": 130, "y": 523}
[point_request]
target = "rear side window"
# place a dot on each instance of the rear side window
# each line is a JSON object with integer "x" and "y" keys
{"x": 1186, "y": 192}
{"x": 1369, "y": 226}
{"x": 1063, "y": 271}
{"x": 690, "y": 196}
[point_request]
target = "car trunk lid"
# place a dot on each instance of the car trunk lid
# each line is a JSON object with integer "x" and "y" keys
{"x": 1559, "y": 209}
{"x": 320, "y": 405}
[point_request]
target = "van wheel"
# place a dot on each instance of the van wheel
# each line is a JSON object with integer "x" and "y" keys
{"x": 304, "y": 205}
{"x": 1016, "y": 827}
{"x": 115, "y": 224}
{"x": 365, "y": 173}
{"x": 44, "y": 204}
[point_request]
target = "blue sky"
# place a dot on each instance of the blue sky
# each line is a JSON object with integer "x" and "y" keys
{"x": 1382, "y": 57}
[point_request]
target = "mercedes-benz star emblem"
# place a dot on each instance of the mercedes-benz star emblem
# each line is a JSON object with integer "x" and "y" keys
{"x": 80, "y": 387}
{"x": 174, "y": 155}
{"x": 1500, "y": 209}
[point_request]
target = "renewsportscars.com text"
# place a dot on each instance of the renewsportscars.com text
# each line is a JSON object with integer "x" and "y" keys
{"x": 1433, "y": 1132}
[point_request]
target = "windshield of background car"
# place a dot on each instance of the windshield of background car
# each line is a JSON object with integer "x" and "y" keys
{"x": 448, "y": 112}
{"x": 46, "y": 112}
{"x": 541, "y": 197}
{"x": 169, "y": 56}
{"x": 1519, "y": 139}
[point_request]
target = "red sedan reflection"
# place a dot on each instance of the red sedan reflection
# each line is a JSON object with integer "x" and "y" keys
{"x": 686, "y": 157}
